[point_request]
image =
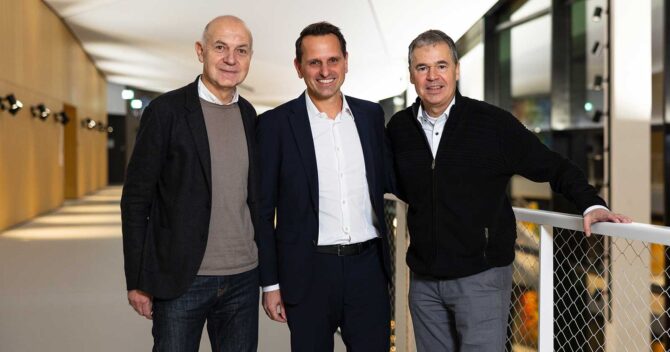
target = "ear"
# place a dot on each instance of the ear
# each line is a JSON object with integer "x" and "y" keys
{"x": 346, "y": 62}
{"x": 199, "y": 51}
{"x": 296, "y": 63}
{"x": 411, "y": 75}
{"x": 458, "y": 71}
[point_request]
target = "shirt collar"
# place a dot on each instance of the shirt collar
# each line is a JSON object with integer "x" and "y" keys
{"x": 314, "y": 113}
{"x": 423, "y": 116}
{"x": 208, "y": 96}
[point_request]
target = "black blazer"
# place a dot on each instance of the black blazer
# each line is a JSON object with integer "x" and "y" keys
{"x": 289, "y": 185}
{"x": 167, "y": 195}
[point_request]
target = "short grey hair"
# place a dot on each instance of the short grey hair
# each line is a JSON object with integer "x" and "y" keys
{"x": 431, "y": 37}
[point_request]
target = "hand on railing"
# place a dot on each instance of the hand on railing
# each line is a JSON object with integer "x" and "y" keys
{"x": 602, "y": 215}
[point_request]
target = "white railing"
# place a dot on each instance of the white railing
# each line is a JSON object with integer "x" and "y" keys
{"x": 604, "y": 293}
{"x": 608, "y": 292}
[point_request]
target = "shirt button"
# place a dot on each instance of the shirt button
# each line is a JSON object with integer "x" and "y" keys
{"x": 437, "y": 133}
{"x": 346, "y": 229}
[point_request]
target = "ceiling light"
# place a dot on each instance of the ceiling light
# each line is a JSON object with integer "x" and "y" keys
{"x": 14, "y": 104}
{"x": 597, "y": 116}
{"x": 588, "y": 106}
{"x": 62, "y": 117}
{"x": 598, "y": 82}
{"x": 127, "y": 94}
{"x": 136, "y": 104}
{"x": 597, "y": 14}
{"x": 41, "y": 111}
{"x": 88, "y": 123}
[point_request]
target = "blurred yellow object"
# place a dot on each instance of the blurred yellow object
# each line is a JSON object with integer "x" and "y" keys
{"x": 657, "y": 259}
{"x": 657, "y": 347}
{"x": 532, "y": 227}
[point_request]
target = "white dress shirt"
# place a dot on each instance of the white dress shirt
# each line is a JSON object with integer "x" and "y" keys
{"x": 345, "y": 209}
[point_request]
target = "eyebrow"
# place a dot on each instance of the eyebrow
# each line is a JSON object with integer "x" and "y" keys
{"x": 437, "y": 63}
{"x": 219, "y": 41}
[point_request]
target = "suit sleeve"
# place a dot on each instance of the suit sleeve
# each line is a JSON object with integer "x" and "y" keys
{"x": 139, "y": 191}
{"x": 269, "y": 162}
{"x": 389, "y": 173}
{"x": 389, "y": 165}
{"x": 527, "y": 156}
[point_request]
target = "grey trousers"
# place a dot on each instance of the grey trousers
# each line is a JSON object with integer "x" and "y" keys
{"x": 461, "y": 315}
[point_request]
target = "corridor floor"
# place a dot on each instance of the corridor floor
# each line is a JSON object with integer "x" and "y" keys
{"x": 62, "y": 286}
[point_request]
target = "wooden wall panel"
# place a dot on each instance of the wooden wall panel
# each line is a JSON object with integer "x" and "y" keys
{"x": 41, "y": 62}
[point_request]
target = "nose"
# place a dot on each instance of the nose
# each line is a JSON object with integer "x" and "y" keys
{"x": 229, "y": 57}
{"x": 323, "y": 71}
{"x": 431, "y": 74}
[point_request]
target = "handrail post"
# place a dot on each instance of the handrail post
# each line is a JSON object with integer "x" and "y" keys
{"x": 546, "y": 290}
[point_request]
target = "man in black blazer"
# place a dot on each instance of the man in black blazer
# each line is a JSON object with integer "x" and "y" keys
{"x": 454, "y": 157}
{"x": 326, "y": 262}
{"x": 188, "y": 204}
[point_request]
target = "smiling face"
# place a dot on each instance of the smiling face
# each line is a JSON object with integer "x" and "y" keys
{"x": 323, "y": 66}
{"x": 434, "y": 75}
{"x": 225, "y": 52}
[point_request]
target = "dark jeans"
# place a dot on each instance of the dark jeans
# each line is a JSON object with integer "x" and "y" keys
{"x": 229, "y": 304}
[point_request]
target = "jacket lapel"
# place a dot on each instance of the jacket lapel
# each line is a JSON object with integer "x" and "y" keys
{"x": 302, "y": 132}
{"x": 196, "y": 122}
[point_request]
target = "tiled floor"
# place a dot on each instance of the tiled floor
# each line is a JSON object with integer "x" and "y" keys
{"x": 62, "y": 287}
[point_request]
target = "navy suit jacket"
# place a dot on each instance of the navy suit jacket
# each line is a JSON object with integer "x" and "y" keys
{"x": 289, "y": 184}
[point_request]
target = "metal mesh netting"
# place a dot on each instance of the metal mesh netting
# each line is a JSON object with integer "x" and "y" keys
{"x": 583, "y": 292}
{"x": 390, "y": 219}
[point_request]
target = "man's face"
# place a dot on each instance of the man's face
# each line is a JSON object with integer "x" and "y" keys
{"x": 225, "y": 54}
{"x": 434, "y": 75}
{"x": 323, "y": 66}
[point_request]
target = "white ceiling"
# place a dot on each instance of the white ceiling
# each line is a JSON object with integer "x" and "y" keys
{"x": 149, "y": 44}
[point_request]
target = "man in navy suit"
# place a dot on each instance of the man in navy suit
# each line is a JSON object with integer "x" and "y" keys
{"x": 325, "y": 264}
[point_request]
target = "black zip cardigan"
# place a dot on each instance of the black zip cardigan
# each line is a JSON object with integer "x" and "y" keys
{"x": 460, "y": 219}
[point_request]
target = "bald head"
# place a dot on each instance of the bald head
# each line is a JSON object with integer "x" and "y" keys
{"x": 225, "y": 52}
{"x": 226, "y": 21}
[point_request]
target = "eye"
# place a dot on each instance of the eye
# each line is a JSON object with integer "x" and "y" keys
{"x": 242, "y": 51}
{"x": 421, "y": 68}
{"x": 218, "y": 48}
{"x": 442, "y": 67}
{"x": 314, "y": 63}
{"x": 333, "y": 60}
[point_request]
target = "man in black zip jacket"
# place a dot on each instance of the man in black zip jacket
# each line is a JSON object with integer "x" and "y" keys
{"x": 453, "y": 158}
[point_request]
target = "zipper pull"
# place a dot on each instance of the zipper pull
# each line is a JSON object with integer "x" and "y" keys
{"x": 486, "y": 233}
{"x": 432, "y": 167}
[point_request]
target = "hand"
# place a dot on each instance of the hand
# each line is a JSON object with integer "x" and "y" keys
{"x": 601, "y": 215}
{"x": 273, "y": 306}
{"x": 141, "y": 302}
